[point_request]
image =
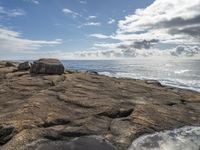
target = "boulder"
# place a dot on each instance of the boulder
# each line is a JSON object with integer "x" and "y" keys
{"x": 185, "y": 138}
{"x": 24, "y": 66}
{"x": 47, "y": 66}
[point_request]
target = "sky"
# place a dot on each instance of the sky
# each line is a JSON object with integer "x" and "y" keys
{"x": 99, "y": 29}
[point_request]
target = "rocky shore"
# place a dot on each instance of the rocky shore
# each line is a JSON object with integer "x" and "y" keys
{"x": 41, "y": 109}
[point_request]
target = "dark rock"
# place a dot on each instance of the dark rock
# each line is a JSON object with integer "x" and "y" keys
{"x": 92, "y": 72}
{"x": 6, "y": 133}
{"x": 9, "y": 64}
{"x": 24, "y": 66}
{"x": 153, "y": 82}
{"x": 117, "y": 112}
{"x": 82, "y": 143}
{"x": 47, "y": 66}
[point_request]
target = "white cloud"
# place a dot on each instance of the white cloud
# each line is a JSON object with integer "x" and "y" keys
{"x": 13, "y": 42}
{"x": 11, "y": 12}
{"x": 91, "y": 17}
{"x": 111, "y": 21}
{"x": 33, "y": 1}
{"x": 164, "y": 20}
{"x": 100, "y": 36}
{"x": 83, "y": 2}
{"x": 70, "y": 12}
{"x": 182, "y": 50}
{"x": 90, "y": 24}
{"x": 111, "y": 51}
{"x": 168, "y": 22}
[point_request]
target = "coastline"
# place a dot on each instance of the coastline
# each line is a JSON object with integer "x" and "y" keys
{"x": 182, "y": 74}
{"x": 77, "y": 104}
{"x": 156, "y": 80}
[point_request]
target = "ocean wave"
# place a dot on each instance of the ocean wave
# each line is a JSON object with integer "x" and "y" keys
{"x": 185, "y": 138}
{"x": 193, "y": 85}
{"x": 180, "y": 71}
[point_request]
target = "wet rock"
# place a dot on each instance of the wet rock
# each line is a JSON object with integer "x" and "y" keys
{"x": 47, "y": 66}
{"x": 82, "y": 143}
{"x": 92, "y": 72}
{"x": 153, "y": 82}
{"x": 24, "y": 66}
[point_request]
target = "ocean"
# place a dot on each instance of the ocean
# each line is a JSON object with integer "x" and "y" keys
{"x": 183, "y": 73}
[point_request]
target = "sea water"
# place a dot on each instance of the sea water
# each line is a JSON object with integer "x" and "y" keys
{"x": 182, "y": 73}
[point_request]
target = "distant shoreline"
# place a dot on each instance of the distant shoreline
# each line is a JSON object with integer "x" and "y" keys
{"x": 100, "y": 73}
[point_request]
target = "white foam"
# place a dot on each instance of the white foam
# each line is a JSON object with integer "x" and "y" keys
{"x": 186, "y": 138}
{"x": 180, "y": 71}
{"x": 179, "y": 83}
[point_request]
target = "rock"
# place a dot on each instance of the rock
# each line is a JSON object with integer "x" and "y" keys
{"x": 82, "y": 143}
{"x": 6, "y": 133}
{"x": 39, "y": 109}
{"x": 9, "y": 64}
{"x": 24, "y": 66}
{"x": 47, "y": 66}
{"x": 92, "y": 72}
{"x": 185, "y": 138}
{"x": 153, "y": 82}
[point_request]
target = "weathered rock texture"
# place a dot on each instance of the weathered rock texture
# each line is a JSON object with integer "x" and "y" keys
{"x": 39, "y": 109}
{"x": 47, "y": 66}
{"x": 24, "y": 66}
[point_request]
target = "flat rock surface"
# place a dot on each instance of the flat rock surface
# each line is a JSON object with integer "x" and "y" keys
{"x": 35, "y": 109}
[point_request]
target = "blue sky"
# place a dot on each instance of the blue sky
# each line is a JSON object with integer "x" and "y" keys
{"x": 90, "y": 28}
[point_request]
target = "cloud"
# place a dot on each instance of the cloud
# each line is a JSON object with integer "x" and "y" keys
{"x": 139, "y": 44}
{"x": 90, "y": 24}
{"x": 33, "y": 1}
{"x": 183, "y": 50}
{"x": 12, "y": 41}
{"x": 91, "y": 17}
{"x": 111, "y": 21}
{"x": 70, "y": 12}
{"x": 100, "y": 36}
{"x": 163, "y": 22}
{"x": 117, "y": 53}
{"x": 11, "y": 12}
{"x": 83, "y": 2}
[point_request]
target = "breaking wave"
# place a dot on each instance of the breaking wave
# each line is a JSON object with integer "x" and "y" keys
{"x": 180, "y": 71}
{"x": 173, "y": 82}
